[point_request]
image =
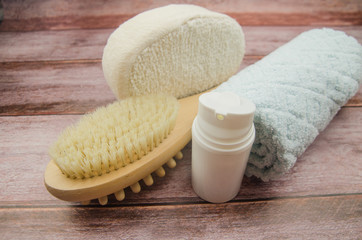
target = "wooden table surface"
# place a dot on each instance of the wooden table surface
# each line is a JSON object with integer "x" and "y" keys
{"x": 50, "y": 75}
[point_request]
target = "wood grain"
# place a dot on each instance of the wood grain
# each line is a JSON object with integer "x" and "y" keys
{"x": 53, "y": 45}
{"x": 55, "y": 88}
{"x": 331, "y": 165}
{"x": 35, "y": 88}
{"x": 88, "y": 44}
{"x": 300, "y": 218}
{"x": 49, "y": 88}
{"x": 52, "y": 14}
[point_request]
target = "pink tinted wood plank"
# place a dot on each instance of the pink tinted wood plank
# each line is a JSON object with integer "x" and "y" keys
{"x": 52, "y": 88}
{"x": 331, "y": 165}
{"x": 89, "y": 44}
{"x": 53, "y": 45}
{"x": 335, "y": 217}
{"x": 24, "y": 144}
{"x": 51, "y": 14}
{"x": 65, "y": 87}
{"x": 56, "y": 87}
{"x": 356, "y": 100}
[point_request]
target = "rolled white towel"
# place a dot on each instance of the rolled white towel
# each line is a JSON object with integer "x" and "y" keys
{"x": 297, "y": 90}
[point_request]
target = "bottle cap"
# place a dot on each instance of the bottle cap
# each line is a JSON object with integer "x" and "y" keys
{"x": 225, "y": 115}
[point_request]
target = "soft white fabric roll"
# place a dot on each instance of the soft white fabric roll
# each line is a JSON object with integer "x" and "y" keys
{"x": 297, "y": 90}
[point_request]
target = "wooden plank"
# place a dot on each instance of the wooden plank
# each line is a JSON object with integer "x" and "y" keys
{"x": 356, "y": 100}
{"x": 89, "y": 44}
{"x": 52, "y": 14}
{"x": 301, "y": 218}
{"x": 331, "y": 165}
{"x": 65, "y": 87}
{"x": 55, "y": 88}
{"x": 48, "y": 88}
{"x": 53, "y": 45}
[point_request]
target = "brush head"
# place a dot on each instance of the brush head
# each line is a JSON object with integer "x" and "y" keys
{"x": 114, "y": 136}
{"x": 177, "y": 49}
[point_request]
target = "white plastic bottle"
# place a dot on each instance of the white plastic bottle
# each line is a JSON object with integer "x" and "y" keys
{"x": 222, "y": 136}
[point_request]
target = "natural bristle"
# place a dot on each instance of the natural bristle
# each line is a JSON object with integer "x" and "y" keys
{"x": 114, "y": 136}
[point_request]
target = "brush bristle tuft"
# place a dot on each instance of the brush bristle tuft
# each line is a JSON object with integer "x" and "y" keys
{"x": 114, "y": 136}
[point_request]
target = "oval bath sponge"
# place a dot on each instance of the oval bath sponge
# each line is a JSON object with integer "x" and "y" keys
{"x": 177, "y": 49}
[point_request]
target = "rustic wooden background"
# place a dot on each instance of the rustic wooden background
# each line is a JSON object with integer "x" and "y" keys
{"x": 50, "y": 74}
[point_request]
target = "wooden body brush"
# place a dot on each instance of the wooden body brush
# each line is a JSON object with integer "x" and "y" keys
{"x": 180, "y": 50}
{"x": 98, "y": 187}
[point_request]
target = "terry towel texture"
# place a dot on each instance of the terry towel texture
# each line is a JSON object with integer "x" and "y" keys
{"x": 297, "y": 90}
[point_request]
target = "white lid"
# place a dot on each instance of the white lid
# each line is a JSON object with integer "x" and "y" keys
{"x": 225, "y": 115}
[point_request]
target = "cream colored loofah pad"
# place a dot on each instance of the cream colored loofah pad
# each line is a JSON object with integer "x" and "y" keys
{"x": 177, "y": 49}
